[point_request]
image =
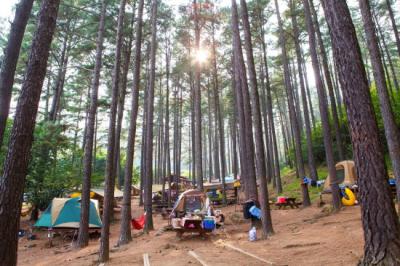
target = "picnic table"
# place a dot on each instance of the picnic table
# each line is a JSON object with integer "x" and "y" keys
{"x": 290, "y": 202}
{"x": 191, "y": 226}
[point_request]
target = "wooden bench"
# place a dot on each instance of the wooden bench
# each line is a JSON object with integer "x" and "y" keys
{"x": 290, "y": 202}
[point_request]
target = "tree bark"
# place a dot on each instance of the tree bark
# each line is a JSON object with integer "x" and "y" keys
{"x": 329, "y": 83}
{"x": 309, "y": 100}
{"x": 62, "y": 71}
{"x": 9, "y": 64}
{"x": 219, "y": 141}
{"x": 311, "y": 161}
{"x": 19, "y": 151}
{"x": 149, "y": 123}
{"x": 126, "y": 216}
{"x": 83, "y": 235}
{"x": 197, "y": 104}
{"x": 167, "y": 163}
{"x": 271, "y": 114}
{"x": 243, "y": 103}
{"x": 394, "y": 26}
{"x": 219, "y": 121}
{"x": 389, "y": 58}
{"x": 380, "y": 222}
{"x": 127, "y": 52}
{"x": 293, "y": 119}
{"x": 391, "y": 130}
{"x": 323, "y": 106}
{"x": 257, "y": 123}
{"x": 109, "y": 184}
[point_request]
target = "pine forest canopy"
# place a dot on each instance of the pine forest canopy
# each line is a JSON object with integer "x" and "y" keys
{"x": 132, "y": 92}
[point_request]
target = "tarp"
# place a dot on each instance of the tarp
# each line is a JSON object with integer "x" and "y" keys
{"x": 218, "y": 185}
{"x": 190, "y": 199}
{"x": 65, "y": 213}
{"x": 345, "y": 174}
{"x": 100, "y": 191}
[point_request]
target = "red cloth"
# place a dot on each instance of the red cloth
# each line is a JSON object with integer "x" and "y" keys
{"x": 281, "y": 199}
{"x": 138, "y": 224}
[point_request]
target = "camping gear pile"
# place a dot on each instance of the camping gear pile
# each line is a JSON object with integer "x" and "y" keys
{"x": 192, "y": 213}
{"x": 214, "y": 190}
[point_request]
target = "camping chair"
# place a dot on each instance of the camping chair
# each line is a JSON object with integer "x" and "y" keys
{"x": 138, "y": 224}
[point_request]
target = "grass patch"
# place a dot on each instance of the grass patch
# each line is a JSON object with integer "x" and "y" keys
{"x": 291, "y": 184}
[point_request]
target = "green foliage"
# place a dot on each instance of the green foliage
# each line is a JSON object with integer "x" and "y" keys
{"x": 291, "y": 184}
{"x": 317, "y": 133}
{"x": 52, "y": 170}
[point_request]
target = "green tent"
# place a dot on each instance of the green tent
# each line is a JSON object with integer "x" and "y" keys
{"x": 65, "y": 213}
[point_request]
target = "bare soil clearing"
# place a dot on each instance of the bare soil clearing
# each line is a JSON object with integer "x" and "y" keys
{"x": 302, "y": 237}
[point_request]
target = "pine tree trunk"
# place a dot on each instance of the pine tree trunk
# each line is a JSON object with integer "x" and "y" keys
{"x": 83, "y": 235}
{"x": 323, "y": 106}
{"x": 219, "y": 132}
{"x": 62, "y": 71}
{"x": 211, "y": 153}
{"x": 9, "y": 62}
{"x": 109, "y": 184}
{"x": 329, "y": 83}
{"x": 219, "y": 141}
{"x": 167, "y": 164}
{"x": 243, "y": 102}
{"x": 389, "y": 58}
{"x": 126, "y": 216}
{"x": 197, "y": 104}
{"x": 256, "y": 111}
{"x": 293, "y": 119}
{"x": 391, "y": 130}
{"x": 19, "y": 149}
{"x": 149, "y": 124}
{"x": 380, "y": 222}
{"x": 311, "y": 161}
{"x": 309, "y": 100}
{"x": 264, "y": 111}
{"x": 193, "y": 131}
{"x": 235, "y": 163}
{"x": 394, "y": 26}
{"x": 271, "y": 115}
{"x": 127, "y": 52}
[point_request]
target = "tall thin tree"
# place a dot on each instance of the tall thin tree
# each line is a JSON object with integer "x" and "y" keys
{"x": 149, "y": 123}
{"x": 292, "y": 112}
{"x": 16, "y": 163}
{"x": 323, "y": 106}
{"x": 258, "y": 129}
{"x": 83, "y": 234}
{"x": 108, "y": 204}
{"x": 244, "y": 110}
{"x": 197, "y": 101}
{"x": 126, "y": 216}
{"x": 9, "y": 64}
{"x": 296, "y": 33}
{"x": 391, "y": 130}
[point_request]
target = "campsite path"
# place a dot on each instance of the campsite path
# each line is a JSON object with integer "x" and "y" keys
{"x": 302, "y": 237}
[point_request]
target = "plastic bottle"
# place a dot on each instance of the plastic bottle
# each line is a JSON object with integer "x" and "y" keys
{"x": 253, "y": 234}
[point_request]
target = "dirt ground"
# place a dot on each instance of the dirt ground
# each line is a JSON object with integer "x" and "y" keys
{"x": 302, "y": 237}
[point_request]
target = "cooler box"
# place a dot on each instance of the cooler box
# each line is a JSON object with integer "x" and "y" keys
{"x": 209, "y": 223}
